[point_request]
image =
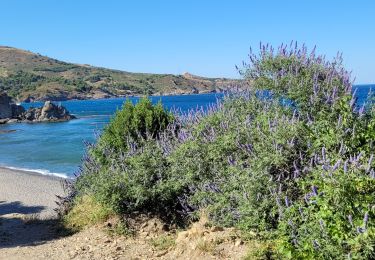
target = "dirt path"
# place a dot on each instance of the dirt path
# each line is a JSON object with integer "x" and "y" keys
{"x": 29, "y": 230}
{"x": 94, "y": 243}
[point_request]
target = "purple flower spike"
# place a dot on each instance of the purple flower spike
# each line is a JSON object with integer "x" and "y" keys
{"x": 315, "y": 244}
{"x": 360, "y": 230}
{"x": 287, "y": 203}
{"x": 346, "y": 167}
{"x": 231, "y": 161}
{"x": 365, "y": 219}
{"x": 337, "y": 165}
{"x": 353, "y": 99}
{"x": 369, "y": 163}
{"x": 350, "y": 218}
{"x": 321, "y": 223}
{"x": 341, "y": 148}
{"x": 300, "y": 211}
{"x": 306, "y": 197}
{"x": 372, "y": 173}
{"x": 361, "y": 110}
{"x": 324, "y": 154}
{"x": 358, "y": 157}
{"x": 290, "y": 223}
{"x": 278, "y": 201}
{"x": 314, "y": 190}
{"x": 296, "y": 170}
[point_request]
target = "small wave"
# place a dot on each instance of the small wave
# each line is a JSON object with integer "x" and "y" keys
{"x": 91, "y": 116}
{"x": 39, "y": 171}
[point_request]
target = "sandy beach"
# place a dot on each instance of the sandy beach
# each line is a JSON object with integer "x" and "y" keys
{"x": 28, "y": 193}
{"x": 27, "y": 203}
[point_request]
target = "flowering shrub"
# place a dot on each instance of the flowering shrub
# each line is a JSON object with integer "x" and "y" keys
{"x": 334, "y": 218}
{"x": 290, "y": 158}
{"x": 330, "y": 214}
{"x": 236, "y": 158}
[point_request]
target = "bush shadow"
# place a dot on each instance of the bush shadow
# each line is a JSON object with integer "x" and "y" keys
{"x": 22, "y": 225}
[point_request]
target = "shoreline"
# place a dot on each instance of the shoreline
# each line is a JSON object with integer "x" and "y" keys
{"x": 121, "y": 96}
{"x": 114, "y": 96}
{"x": 25, "y": 193}
{"x": 38, "y": 172}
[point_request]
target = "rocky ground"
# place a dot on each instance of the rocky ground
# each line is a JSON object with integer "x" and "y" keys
{"x": 198, "y": 242}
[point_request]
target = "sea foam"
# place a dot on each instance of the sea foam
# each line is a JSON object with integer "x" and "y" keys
{"x": 39, "y": 171}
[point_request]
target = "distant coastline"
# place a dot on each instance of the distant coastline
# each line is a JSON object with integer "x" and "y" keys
{"x": 181, "y": 93}
{"x": 41, "y": 78}
{"x": 68, "y": 98}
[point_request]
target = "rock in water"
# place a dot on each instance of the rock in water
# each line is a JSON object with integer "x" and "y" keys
{"x": 10, "y": 112}
{"x": 49, "y": 112}
{"x": 17, "y": 110}
{"x": 5, "y": 106}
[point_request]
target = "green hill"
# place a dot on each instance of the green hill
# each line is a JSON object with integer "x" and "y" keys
{"x": 29, "y": 76}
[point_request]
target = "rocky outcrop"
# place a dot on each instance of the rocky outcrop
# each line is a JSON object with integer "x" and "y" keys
{"x": 49, "y": 112}
{"x": 17, "y": 111}
{"x": 5, "y": 106}
{"x": 10, "y": 112}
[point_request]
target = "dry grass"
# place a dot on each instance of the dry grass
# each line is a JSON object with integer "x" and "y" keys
{"x": 31, "y": 219}
{"x": 85, "y": 213}
{"x": 206, "y": 246}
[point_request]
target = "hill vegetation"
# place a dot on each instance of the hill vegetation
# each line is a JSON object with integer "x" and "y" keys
{"x": 30, "y": 76}
{"x": 288, "y": 162}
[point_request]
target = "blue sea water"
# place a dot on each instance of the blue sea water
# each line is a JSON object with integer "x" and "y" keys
{"x": 57, "y": 148}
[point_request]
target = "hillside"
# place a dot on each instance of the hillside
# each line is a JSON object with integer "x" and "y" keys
{"x": 30, "y": 76}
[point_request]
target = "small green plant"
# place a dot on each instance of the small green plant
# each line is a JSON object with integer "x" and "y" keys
{"x": 163, "y": 242}
{"x": 86, "y": 212}
{"x": 259, "y": 250}
{"x": 120, "y": 228}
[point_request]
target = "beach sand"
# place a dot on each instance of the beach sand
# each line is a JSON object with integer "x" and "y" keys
{"x": 27, "y": 203}
{"x": 28, "y": 193}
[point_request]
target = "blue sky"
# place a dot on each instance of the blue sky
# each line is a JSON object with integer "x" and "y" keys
{"x": 206, "y": 38}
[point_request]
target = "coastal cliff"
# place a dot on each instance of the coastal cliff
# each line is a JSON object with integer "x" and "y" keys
{"x": 11, "y": 112}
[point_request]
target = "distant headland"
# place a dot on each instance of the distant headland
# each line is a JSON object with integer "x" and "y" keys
{"x": 30, "y": 77}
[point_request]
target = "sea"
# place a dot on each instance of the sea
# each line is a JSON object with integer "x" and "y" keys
{"x": 57, "y": 148}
